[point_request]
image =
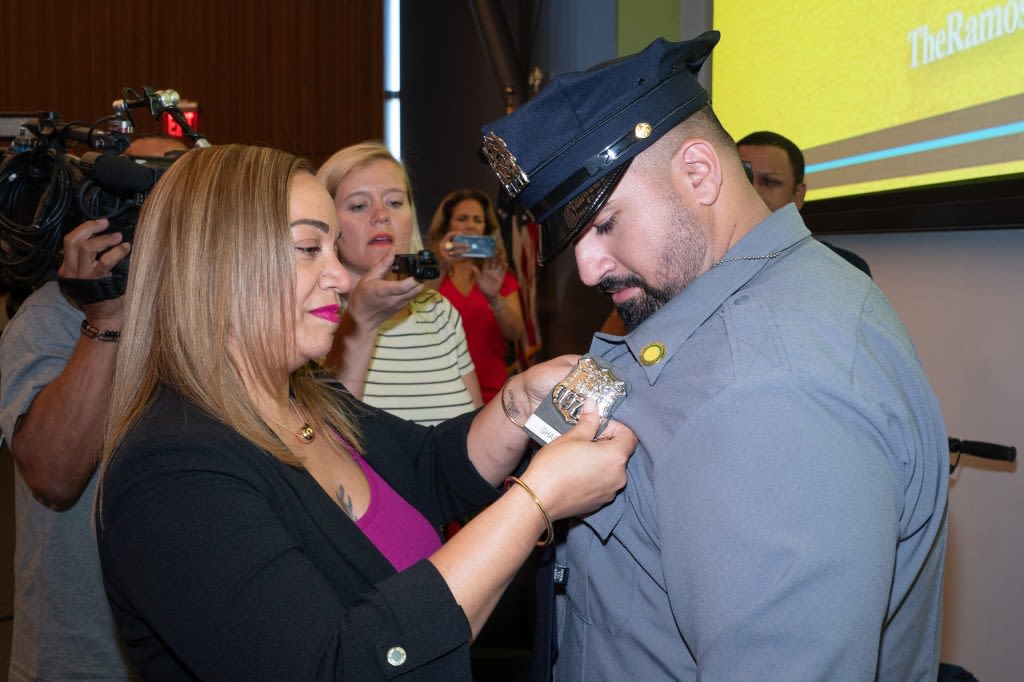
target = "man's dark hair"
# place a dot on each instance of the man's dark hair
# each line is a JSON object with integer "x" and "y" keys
{"x": 766, "y": 138}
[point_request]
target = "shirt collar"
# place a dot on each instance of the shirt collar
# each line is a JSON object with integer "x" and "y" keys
{"x": 689, "y": 309}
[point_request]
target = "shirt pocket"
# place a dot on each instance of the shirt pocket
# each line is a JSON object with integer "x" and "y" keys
{"x": 601, "y": 586}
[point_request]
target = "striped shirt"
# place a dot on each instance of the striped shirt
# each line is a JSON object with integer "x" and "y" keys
{"x": 418, "y": 363}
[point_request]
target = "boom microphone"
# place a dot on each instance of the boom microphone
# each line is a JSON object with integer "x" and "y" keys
{"x": 120, "y": 173}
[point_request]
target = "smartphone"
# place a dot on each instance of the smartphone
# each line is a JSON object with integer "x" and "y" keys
{"x": 480, "y": 246}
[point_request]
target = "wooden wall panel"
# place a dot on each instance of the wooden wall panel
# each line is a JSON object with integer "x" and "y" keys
{"x": 302, "y": 75}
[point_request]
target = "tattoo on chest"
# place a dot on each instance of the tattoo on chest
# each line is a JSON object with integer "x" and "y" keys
{"x": 346, "y": 502}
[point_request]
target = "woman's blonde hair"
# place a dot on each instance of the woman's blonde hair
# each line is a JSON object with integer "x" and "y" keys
{"x": 443, "y": 216}
{"x": 209, "y": 306}
{"x": 354, "y": 157}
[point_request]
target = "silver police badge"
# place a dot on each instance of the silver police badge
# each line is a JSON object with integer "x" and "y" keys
{"x": 591, "y": 377}
{"x": 504, "y": 164}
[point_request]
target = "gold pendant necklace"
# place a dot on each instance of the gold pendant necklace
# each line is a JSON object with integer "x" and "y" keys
{"x": 305, "y": 434}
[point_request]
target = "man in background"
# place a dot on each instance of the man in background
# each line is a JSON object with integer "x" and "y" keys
{"x": 778, "y": 169}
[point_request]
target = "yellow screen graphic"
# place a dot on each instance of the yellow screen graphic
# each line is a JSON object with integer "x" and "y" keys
{"x": 879, "y": 95}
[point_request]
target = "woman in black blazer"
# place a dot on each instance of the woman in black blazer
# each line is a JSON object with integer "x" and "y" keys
{"x": 257, "y": 522}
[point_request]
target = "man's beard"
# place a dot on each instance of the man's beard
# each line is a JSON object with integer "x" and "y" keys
{"x": 682, "y": 261}
{"x": 637, "y": 309}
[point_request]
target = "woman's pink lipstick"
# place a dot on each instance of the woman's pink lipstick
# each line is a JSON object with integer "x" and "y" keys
{"x": 331, "y": 313}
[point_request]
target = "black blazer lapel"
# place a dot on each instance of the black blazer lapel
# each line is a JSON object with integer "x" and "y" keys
{"x": 340, "y": 532}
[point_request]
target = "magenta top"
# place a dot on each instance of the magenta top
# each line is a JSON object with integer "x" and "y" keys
{"x": 395, "y": 527}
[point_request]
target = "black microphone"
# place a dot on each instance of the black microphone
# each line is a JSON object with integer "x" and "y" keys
{"x": 120, "y": 173}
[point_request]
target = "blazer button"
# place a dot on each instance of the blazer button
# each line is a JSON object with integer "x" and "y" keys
{"x": 397, "y": 656}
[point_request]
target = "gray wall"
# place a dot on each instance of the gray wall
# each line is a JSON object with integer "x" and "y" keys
{"x": 960, "y": 295}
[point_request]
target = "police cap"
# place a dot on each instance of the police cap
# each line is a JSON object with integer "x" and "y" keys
{"x": 561, "y": 154}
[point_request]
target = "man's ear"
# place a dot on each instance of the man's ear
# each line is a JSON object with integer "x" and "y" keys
{"x": 798, "y": 195}
{"x": 697, "y": 170}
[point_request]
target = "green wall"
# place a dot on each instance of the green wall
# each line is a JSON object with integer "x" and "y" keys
{"x": 641, "y": 21}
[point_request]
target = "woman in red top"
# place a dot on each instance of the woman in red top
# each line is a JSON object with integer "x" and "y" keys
{"x": 482, "y": 290}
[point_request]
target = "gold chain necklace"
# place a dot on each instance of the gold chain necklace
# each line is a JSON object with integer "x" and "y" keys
{"x": 305, "y": 434}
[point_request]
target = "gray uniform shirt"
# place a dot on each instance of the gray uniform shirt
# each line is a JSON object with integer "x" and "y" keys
{"x": 63, "y": 627}
{"x": 784, "y": 517}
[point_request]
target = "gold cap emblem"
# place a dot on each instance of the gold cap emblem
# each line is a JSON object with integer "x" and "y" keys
{"x": 504, "y": 164}
{"x": 642, "y": 130}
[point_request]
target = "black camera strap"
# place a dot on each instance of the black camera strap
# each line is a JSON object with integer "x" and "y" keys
{"x": 86, "y": 291}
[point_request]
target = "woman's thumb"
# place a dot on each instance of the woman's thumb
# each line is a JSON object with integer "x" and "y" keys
{"x": 383, "y": 266}
{"x": 589, "y": 420}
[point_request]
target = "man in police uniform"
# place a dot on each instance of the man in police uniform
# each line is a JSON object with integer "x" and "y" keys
{"x": 785, "y": 512}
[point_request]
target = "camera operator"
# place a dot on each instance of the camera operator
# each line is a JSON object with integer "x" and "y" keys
{"x": 56, "y": 362}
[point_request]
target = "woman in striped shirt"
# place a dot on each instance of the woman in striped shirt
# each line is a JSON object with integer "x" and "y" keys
{"x": 400, "y": 346}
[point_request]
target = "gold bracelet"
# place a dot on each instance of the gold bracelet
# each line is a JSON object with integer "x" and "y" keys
{"x": 504, "y": 408}
{"x": 549, "y": 535}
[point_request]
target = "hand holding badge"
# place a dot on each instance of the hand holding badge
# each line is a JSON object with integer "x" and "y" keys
{"x": 591, "y": 377}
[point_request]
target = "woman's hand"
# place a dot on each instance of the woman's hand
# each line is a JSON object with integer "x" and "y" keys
{"x": 374, "y": 299}
{"x": 575, "y": 474}
{"x": 571, "y": 476}
{"x": 525, "y": 390}
{"x": 496, "y": 440}
{"x": 372, "y": 302}
{"x": 448, "y": 249}
{"x": 490, "y": 278}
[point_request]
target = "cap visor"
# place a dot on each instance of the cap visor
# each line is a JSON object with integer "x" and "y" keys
{"x": 567, "y": 222}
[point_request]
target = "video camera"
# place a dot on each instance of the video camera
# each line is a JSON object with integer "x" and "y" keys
{"x": 45, "y": 191}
